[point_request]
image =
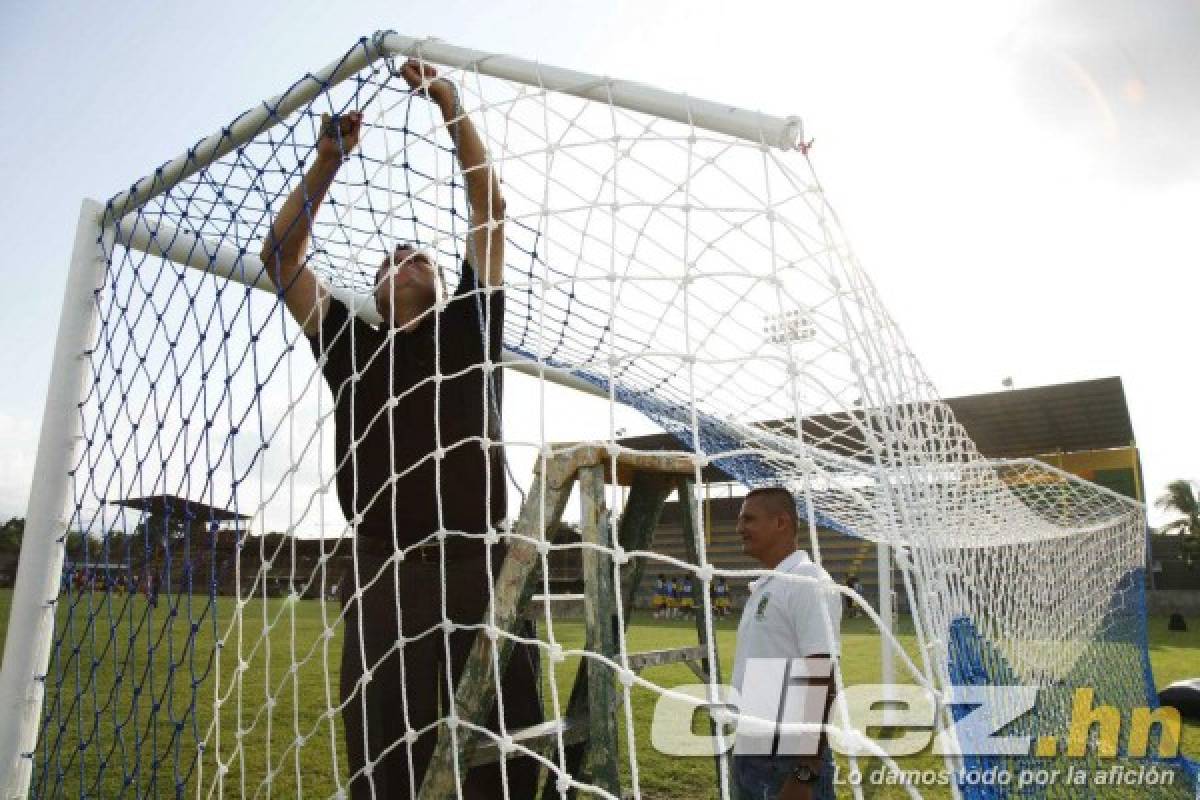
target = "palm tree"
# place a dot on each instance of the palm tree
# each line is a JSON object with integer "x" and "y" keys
{"x": 10, "y": 535}
{"x": 1181, "y": 497}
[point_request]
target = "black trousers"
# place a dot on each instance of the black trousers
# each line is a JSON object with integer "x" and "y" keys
{"x": 407, "y": 690}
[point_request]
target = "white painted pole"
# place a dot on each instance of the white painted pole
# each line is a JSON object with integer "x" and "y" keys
{"x": 785, "y": 133}
{"x": 782, "y": 132}
{"x": 887, "y": 669}
{"x": 163, "y": 239}
{"x": 34, "y": 600}
{"x": 159, "y": 238}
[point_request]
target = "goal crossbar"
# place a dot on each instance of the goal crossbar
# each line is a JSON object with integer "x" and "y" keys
{"x": 786, "y": 133}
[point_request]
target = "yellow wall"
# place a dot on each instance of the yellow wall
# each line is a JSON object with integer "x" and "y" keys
{"x": 1084, "y": 463}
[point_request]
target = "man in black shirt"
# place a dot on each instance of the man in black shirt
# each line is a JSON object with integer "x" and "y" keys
{"x": 420, "y": 469}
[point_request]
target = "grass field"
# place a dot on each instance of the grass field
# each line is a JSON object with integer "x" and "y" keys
{"x": 133, "y": 707}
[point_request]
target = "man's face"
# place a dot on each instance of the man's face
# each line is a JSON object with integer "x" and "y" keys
{"x": 759, "y": 528}
{"x": 406, "y": 285}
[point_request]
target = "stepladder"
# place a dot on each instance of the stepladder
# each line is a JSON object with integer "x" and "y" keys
{"x": 581, "y": 745}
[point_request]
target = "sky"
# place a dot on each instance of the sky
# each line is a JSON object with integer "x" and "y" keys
{"x": 1019, "y": 179}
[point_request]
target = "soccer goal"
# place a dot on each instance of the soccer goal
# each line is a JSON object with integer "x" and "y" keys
{"x": 191, "y": 586}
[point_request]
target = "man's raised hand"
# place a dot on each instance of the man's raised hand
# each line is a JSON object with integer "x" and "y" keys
{"x": 424, "y": 79}
{"x": 339, "y": 135}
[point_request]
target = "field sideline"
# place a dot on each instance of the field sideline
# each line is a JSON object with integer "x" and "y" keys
{"x": 301, "y": 697}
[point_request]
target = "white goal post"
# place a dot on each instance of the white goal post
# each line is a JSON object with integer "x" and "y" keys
{"x": 31, "y": 618}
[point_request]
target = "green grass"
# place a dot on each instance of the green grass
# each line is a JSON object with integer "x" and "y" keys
{"x": 91, "y": 710}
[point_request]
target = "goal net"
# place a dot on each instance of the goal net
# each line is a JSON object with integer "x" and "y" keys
{"x": 668, "y": 265}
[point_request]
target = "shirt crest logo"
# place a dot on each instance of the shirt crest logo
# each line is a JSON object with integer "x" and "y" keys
{"x": 760, "y": 613}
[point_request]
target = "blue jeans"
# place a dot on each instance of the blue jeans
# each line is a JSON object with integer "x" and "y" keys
{"x": 762, "y": 777}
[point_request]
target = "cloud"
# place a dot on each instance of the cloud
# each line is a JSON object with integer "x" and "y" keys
{"x": 18, "y": 447}
{"x": 1117, "y": 80}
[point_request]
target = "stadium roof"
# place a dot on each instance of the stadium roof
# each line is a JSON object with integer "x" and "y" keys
{"x": 1014, "y": 423}
{"x": 1067, "y": 417}
{"x": 169, "y": 505}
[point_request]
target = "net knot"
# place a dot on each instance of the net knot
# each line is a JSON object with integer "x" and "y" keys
{"x": 377, "y": 41}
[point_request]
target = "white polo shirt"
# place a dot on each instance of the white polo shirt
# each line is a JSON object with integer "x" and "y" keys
{"x": 784, "y": 619}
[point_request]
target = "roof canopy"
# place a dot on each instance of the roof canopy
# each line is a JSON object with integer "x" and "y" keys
{"x": 1067, "y": 417}
{"x": 169, "y": 505}
{"x": 1015, "y": 423}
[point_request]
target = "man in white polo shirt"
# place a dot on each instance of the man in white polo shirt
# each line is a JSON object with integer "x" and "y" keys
{"x": 786, "y": 643}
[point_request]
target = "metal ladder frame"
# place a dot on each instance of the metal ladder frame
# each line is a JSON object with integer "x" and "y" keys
{"x": 589, "y": 739}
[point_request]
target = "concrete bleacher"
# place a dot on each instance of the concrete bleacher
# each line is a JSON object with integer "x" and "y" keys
{"x": 841, "y": 555}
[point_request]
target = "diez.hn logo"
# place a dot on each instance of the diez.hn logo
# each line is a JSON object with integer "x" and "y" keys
{"x": 782, "y": 701}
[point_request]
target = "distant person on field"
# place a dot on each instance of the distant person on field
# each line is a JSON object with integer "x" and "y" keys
{"x": 721, "y": 601}
{"x": 687, "y": 601}
{"x": 659, "y": 602}
{"x": 854, "y": 585}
